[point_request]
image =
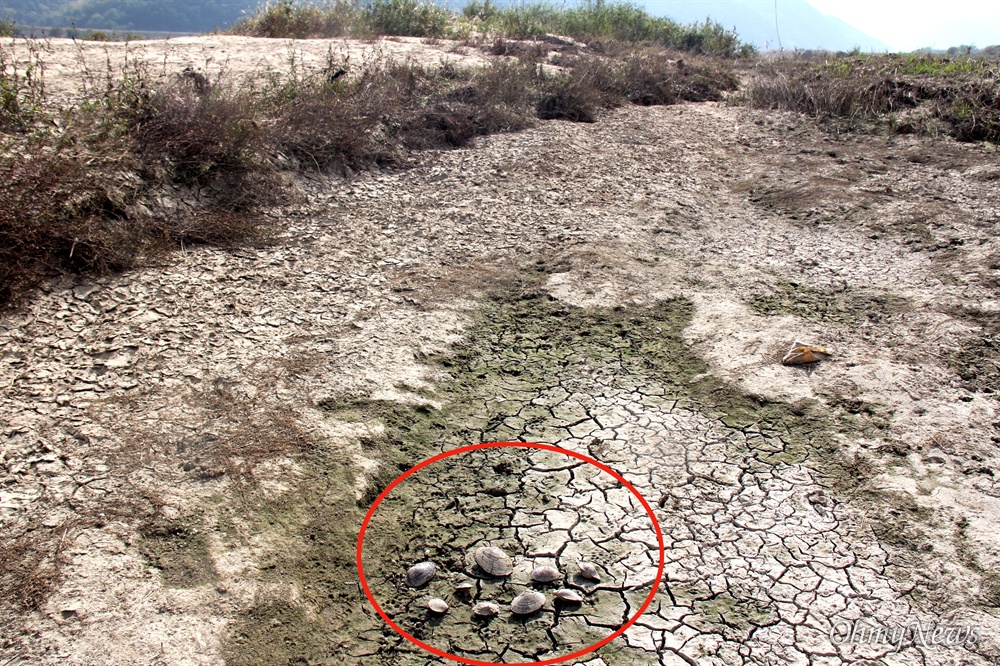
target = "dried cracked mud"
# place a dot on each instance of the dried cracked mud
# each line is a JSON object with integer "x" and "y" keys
{"x": 189, "y": 449}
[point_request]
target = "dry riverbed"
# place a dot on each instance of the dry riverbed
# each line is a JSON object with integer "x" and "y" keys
{"x": 188, "y": 449}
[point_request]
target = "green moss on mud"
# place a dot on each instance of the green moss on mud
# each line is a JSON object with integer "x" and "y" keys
{"x": 846, "y": 306}
{"x": 179, "y": 549}
{"x": 978, "y": 360}
{"x": 735, "y": 618}
{"x": 525, "y": 353}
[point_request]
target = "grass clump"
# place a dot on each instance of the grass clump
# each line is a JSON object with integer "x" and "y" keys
{"x": 22, "y": 86}
{"x": 289, "y": 20}
{"x": 599, "y": 21}
{"x": 202, "y": 136}
{"x": 905, "y": 93}
{"x": 591, "y": 22}
{"x": 407, "y": 18}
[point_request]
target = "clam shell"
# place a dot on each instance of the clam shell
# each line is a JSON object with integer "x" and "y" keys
{"x": 485, "y": 609}
{"x": 569, "y": 596}
{"x": 545, "y": 574}
{"x": 464, "y": 586}
{"x": 439, "y": 606}
{"x": 800, "y": 354}
{"x": 527, "y": 603}
{"x": 494, "y": 561}
{"x": 589, "y": 571}
{"x": 420, "y": 574}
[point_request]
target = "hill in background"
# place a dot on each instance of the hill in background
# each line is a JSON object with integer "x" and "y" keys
{"x": 159, "y": 15}
{"x": 801, "y": 25}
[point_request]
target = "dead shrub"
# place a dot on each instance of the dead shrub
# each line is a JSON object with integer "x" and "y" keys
{"x": 571, "y": 99}
{"x": 651, "y": 78}
{"x": 861, "y": 98}
{"x": 906, "y": 93}
{"x": 532, "y": 49}
{"x": 973, "y": 113}
{"x": 199, "y": 132}
{"x": 69, "y": 211}
{"x": 441, "y": 126}
{"x": 326, "y": 124}
{"x": 29, "y": 567}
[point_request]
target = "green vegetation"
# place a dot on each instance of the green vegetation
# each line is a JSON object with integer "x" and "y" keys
{"x": 905, "y": 93}
{"x": 847, "y": 306}
{"x": 590, "y": 22}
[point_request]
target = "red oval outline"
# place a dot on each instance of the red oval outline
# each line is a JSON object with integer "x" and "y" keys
{"x": 529, "y": 445}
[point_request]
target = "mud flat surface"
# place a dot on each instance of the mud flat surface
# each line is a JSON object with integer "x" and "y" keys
{"x": 188, "y": 450}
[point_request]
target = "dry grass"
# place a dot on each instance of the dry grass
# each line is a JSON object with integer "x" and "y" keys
{"x": 246, "y": 435}
{"x": 29, "y": 568}
{"x": 924, "y": 94}
{"x": 31, "y": 559}
{"x": 66, "y": 209}
{"x": 84, "y": 197}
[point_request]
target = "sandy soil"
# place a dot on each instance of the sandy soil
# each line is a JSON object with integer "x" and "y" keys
{"x": 71, "y": 66}
{"x": 150, "y": 418}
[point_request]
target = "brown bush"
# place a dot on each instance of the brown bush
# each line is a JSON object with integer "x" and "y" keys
{"x": 959, "y": 93}
{"x": 571, "y": 99}
{"x": 199, "y": 131}
{"x": 63, "y": 211}
{"x": 327, "y": 126}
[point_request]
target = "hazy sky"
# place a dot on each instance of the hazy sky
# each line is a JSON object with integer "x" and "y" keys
{"x": 910, "y": 24}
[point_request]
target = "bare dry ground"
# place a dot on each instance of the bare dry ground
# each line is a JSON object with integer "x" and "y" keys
{"x": 189, "y": 448}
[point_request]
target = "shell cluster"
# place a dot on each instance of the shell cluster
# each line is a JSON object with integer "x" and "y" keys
{"x": 495, "y": 562}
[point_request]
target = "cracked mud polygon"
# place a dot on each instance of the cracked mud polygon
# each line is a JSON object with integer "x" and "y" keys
{"x": 189, "y": 449}
{"x": 545, "y": 509}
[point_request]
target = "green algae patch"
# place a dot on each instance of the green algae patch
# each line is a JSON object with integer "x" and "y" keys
{"x": 310, "y": 608}
{"x": 977, "y": 361}
{"x": 530, "y": 368}
{"x": 735, "y": 618}
{"x": 841, "y": 305}
{"x": 179, "y": 550}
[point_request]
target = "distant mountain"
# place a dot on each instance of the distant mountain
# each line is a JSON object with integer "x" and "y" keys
{"x": 163, "y": 15}
{"x": 800, "y": 25}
